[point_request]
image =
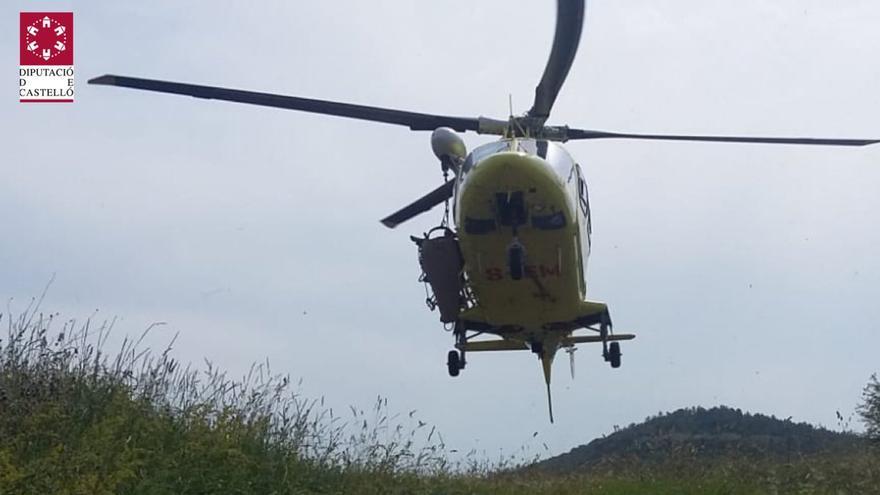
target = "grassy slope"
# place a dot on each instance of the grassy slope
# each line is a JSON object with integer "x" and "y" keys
{"x": 75, "y": 421}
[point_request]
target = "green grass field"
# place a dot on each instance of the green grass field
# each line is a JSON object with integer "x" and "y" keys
{"x": 74, "y": 420}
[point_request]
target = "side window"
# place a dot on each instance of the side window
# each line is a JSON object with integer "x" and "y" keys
{"x": 584, "y": 196}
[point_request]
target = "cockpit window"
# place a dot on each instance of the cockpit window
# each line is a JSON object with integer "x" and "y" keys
{"x": 482, "y": 152}
{"x": 584, "y": 196}
{"x": 551, "y": 152}
{"x": 584, "y": 200}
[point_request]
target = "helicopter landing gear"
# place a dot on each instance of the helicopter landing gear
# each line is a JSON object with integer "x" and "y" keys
{"x": 614, "y": 354}
{"x": 610, "y": 352}
{"x": 455, "y": 360}
{"x": 454, "y": 363}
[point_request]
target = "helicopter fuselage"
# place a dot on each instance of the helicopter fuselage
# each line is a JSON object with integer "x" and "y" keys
{"x": 530, "y": 194}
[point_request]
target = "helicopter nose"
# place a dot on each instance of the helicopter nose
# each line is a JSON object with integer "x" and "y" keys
{"x": 506, "y": 186}
{"x": 508, "y": 172}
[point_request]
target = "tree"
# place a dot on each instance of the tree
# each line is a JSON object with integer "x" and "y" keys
{"x": 869, "y": 409}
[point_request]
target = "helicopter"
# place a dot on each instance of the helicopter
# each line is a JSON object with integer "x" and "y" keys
{"x": 506, "y": 266}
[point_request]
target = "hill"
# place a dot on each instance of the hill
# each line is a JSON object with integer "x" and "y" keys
{"x": 704, "y": 435}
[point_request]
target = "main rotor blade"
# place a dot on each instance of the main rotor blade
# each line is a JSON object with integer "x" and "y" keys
{"x": 415, "y": 121}
{"x": 569, "y": 23}
{"x": 587, "y": 134}
{"x": 420, "y": 205}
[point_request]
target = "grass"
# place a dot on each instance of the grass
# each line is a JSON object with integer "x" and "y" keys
{"x": 77, "y": 420}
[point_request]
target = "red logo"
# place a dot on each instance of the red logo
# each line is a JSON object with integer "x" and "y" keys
{"x": 46, "y": 38}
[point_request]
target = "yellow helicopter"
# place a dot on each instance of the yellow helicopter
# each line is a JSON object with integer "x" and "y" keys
{"x": 512, "y": 262}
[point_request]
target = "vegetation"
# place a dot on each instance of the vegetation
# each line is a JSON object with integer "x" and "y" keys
{"x": 75, "y": 420}
{"x": 869, "y": 409}
{"x": 705, "y": 436}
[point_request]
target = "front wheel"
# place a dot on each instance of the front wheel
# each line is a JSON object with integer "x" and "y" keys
{"x": 453, "y": 363}
{"x": 614, "y": 354}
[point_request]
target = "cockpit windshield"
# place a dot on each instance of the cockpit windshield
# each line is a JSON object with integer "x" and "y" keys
{"x": 480, "y": 153}
{"x": 554, "y": 154}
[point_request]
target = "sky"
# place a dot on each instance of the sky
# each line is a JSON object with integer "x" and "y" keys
{"x": 748, "y": 272}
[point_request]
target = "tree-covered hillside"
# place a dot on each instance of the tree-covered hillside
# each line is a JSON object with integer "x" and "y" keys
{"x": 705, "y": 435}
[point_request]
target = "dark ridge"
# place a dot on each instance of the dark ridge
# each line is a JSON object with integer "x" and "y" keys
{"x": 703, "y": 435}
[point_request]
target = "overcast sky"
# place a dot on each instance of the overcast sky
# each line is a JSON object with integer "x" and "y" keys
{"x": 749, "y": 272}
